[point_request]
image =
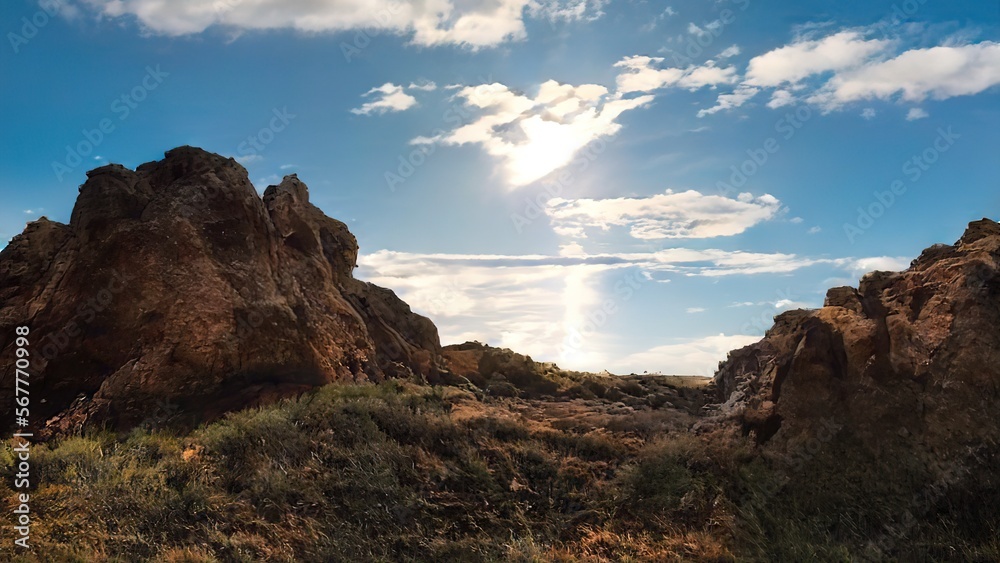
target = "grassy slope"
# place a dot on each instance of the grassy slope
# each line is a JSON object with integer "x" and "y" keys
{"x": 402, "y": 472}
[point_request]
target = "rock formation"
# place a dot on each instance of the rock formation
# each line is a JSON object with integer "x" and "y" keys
{"x": 176, "y": 289}
{"x": 911, "y": 358}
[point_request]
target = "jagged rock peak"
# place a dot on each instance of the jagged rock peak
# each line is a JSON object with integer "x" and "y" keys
{"x": 176, "y": 284}
{"x": 917, "y": 350}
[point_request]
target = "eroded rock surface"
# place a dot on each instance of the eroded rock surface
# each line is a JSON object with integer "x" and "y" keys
{"x": 176, "y": 291}
{"x": 908, "y": 361}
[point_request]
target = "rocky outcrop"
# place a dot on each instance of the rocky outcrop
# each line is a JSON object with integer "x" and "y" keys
{"x": 486, "y": 367}
{"x": 176, "y": 291}
{"x": 911, "y": 357}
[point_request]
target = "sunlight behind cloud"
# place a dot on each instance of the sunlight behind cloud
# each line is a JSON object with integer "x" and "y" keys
{"x": 535, "y": 136}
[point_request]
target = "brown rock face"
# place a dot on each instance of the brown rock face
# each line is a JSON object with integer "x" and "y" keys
{"x": 177, "y": 290}
{"x": 910, "y": 357}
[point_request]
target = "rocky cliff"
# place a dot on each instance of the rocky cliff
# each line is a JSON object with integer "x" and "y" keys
{"x": 177, "y": 292}
{"x": 909, "y": 361}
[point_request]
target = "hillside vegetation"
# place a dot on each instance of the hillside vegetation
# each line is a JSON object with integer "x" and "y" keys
{"x": 400, "y": 471}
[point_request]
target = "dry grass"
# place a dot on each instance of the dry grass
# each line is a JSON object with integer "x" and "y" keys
{"x": 402, "y": 472}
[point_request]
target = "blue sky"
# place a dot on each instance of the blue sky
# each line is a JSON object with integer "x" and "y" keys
{"x": 614, "y": 185}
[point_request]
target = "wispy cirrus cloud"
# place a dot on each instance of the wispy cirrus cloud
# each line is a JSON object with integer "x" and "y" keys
{"x": 539, "y": 304}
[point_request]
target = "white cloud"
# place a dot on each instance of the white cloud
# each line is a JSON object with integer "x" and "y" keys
{"x": 428, "y": 86}
{"x": 265, "y": 181}
{"x": 543, "y": 305}
{"x": 472, "y": 23}
{"x": 694, "y": 310}
{"x": 786, "y": 304}
{"x": 781, "y": 98}
{"x": 390, "y": 98}
{"x": 916, "y": 113}
{"x": 883, "y": 263}
{"x": 248, "y": 158}
{"x": 730, "y": 51}
{"x": 918, "y": 74}
{"x": 729, "y": 101}
{"x": 697, "y": 356}
{"x": 651, "y": 25}
{"x": 792, "y": 63}
{"x": 568, "y": 10}
{"x": 695, "y": 30}
{"x": 641, "y": 74}
{"x": 287, "y": 166}
{"x": 688, "y": 214}
{"x": 845, "y": 67}
{"x": 813, "y": 230}
{"x": 535, "y": 136}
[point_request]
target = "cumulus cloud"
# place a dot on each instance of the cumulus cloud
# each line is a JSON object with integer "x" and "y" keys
{"x": 781, "y": 98}
{"x": 387, "y": 98}
{"x": 847, "y": 66}
{"x": 695, "y": 30}
{"x": 868, "y": 113}
{"x": 641, "y": 74}
{"x": 568, "y": 10}
{"x": 862, "y": 266}
{"x": 472, "y": 23}
{"x": 688, "y": 214}
{"x": 937, "y": 73}
{"x": 916, "y": 113}
{"x": 730, "y": 51}
{"x": 729, "y": 101}
{"x": 792, "y": 63}
{"x": 534, "y": 136}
